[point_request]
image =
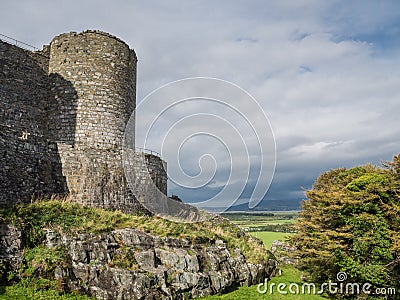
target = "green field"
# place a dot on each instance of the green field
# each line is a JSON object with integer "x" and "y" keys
{"x": 252, "y": 221}
{"x": 268, "y": 237}
{"x": 246, "y": 220}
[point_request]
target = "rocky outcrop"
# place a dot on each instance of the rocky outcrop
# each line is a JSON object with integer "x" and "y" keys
{"x": 130, "y": 264}
{"x": 284, "y": 252}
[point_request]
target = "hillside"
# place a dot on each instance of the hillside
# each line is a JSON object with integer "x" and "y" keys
{"x": 63, "y": 247}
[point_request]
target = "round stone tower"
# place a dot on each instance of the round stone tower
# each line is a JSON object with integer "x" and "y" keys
{"x": 94, "y": 75}
{"x": 102, "y": 70}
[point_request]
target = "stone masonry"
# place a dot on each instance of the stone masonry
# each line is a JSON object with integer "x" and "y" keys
{"x": 63, "y": 115}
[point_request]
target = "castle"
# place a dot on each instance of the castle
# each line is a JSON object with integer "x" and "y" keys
{"x": 63, "y": 115}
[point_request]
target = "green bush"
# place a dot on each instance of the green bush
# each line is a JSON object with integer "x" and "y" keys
{"x": 350, "y": 223}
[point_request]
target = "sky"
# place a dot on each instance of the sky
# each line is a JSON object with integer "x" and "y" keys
{"x": 325, "y": 74}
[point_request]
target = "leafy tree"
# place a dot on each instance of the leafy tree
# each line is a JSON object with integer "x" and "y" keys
{"x": 351, "y": 223}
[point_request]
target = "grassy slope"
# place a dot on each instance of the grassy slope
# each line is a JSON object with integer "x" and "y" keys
{"x": 73, "y": 218}
{"x": 290, "y": 275}
{"x": 25, "y": 291}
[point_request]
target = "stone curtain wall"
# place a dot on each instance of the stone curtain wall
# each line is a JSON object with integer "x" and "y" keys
{"x": 29, "y": 162}
{"x": 63, "y": 115}
{"x": 147, "y": 178}
{"x": 157, "y": 169}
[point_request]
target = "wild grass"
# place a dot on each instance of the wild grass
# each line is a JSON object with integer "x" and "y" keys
{"x": 38, "y": 288}
{"x": 73, "y": 218}
{"x": 290, "y": 275}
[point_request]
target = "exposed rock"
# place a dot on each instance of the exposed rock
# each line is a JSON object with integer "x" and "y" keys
{"x": 10, "y": 246}
{"x": 165, "y": 267}
{"x": 146, "y": 260}
{"x": 284, "y": 252}
{"x": 130, "y": 264}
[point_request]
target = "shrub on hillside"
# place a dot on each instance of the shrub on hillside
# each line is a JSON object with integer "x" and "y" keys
{"x": 351, "y": 223}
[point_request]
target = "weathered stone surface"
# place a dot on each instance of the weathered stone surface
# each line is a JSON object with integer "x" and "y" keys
{"x": 29, "y": 161}
{"x": 166, "y": 267}
{"x": 10, "y": 246}
{"x": 284, "y": 252}
{"x": 146, "y": 260}
{"x": 161, "y": 267}
{"x": 130, "y": 236}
